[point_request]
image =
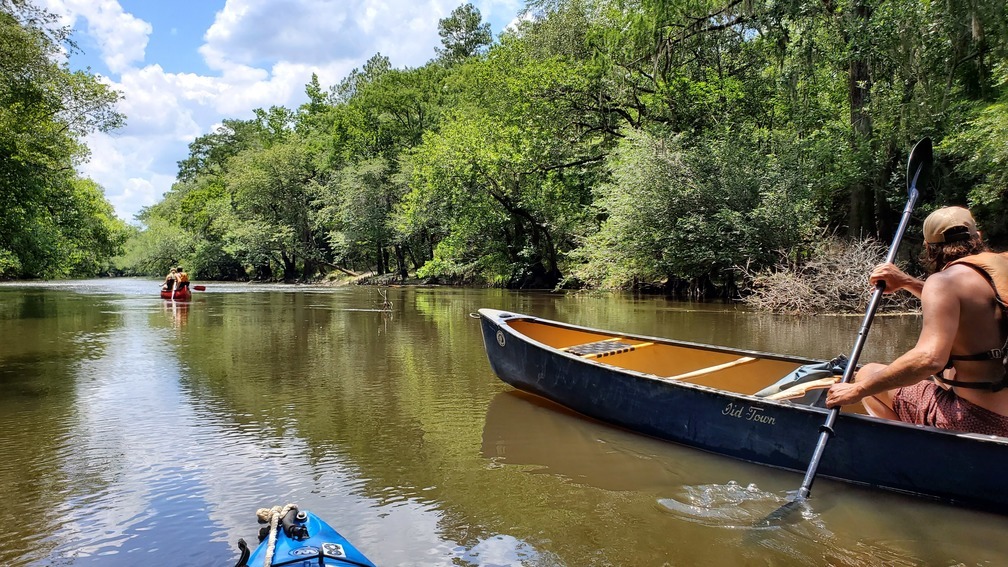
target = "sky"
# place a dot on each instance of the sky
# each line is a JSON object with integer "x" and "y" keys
{"x": 182, "y": 66}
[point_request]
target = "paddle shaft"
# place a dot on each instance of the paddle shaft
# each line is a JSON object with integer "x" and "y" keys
{"x": 826, "y": 431}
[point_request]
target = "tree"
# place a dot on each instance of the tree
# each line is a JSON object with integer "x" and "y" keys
{"x": 156, "y": 249}
{"x": 357, "y": 206}
{"x": 208, "y": 154}
{"x": 981, "y": 150}
{"x": 272, "y": 191}
{"x": 612, "y": 143}
{"x": 511, "y": 168}
{"x": 51, "y": 223}
{"x": 683, "y": 215}
{"x": 464, "y": 34}
{"x": 389, "y": 112}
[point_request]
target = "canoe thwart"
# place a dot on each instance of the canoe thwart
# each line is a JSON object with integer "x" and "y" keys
{"x": 711, "y": 369}
{"x": 608, "y": 347}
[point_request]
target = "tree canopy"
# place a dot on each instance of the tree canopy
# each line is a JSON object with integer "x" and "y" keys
{"x": 52, "y": 223}
{"x": 656, "y": 144}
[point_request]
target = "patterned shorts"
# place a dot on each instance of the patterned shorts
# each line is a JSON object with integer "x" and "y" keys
{"x": 926, "y": 403}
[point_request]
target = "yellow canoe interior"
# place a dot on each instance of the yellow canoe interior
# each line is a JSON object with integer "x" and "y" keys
{"x": 732, "y": 371}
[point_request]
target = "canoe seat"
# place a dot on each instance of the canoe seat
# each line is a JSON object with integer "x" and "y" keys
{"x": 608, "y": 347}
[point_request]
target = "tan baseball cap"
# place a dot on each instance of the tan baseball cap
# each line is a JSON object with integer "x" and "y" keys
{"x": 949, "y": 224}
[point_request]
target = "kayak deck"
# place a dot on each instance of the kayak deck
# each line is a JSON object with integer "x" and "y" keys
{"x": 302, "y": 540}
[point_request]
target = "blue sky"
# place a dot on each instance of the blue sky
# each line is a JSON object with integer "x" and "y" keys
{"x": 183, "y": 66}
{"x": 178, "y": 27}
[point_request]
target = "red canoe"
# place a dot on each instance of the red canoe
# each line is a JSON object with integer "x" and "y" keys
{"x": 180, "y": 295}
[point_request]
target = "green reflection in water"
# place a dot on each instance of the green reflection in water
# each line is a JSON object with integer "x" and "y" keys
{"x": 146, "y": 425}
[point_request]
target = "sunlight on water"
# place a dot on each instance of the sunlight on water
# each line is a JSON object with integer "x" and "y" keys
{"x": 500, "y": 550}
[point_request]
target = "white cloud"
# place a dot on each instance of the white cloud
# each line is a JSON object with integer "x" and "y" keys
{"x": 158, "y": 103}
{"x": 121, "y": 37}
{"x": 316, "y": 32}
{"x": 128, "y": 168}
{"x": 263, "y": 53}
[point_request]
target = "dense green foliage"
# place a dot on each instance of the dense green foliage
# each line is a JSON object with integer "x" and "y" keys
{"x": 610, "y": 143}
{"x": 52, "y": 223}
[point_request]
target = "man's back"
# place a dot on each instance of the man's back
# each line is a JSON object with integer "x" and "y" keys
{"x": 978, "y": 329}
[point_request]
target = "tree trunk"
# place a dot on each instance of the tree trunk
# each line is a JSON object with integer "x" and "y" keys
{"x": 859, "y": 82}
{"x": 382, "y": 258}
{"x": 400, "y": 255}
{"x": 290, "y": 267}
{"x": 886, "y": 223}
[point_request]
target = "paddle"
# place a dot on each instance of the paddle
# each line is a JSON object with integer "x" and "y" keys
{"x": 918, "y": 171}
{"x": 199, "y": 287}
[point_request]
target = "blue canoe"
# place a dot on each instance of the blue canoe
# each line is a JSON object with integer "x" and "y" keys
{"x": 718, "y": 399}
{"x": 304, "y": 540}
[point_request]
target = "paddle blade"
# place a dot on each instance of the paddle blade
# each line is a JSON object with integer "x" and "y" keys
{"x": 919, "y": 166}
{"x": 789, "y": 513}
{"x": 199, "y": 287}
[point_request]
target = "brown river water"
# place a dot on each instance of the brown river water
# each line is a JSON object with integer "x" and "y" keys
{"x": 137, "y": 431}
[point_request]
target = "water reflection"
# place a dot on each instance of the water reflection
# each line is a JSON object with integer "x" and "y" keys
{"x": 136, "y": 430}
{"x": 521, "y": 429}
{"x": 179, "y": 312}
{"x": 547, "y": 439}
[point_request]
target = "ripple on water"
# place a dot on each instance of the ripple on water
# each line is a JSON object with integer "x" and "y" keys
{"x": 732, "y": 506}
{"x": 800, "y": 537}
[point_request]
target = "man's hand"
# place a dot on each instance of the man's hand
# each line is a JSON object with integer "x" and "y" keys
{"x": 893, "y": 278}
{"x": 844, "y": 394}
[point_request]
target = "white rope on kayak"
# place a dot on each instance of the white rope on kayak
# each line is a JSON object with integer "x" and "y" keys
{"x": 272, "y": 516}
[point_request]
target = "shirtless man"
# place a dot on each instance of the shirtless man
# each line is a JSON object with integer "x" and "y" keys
{"x": 959, "y": 345}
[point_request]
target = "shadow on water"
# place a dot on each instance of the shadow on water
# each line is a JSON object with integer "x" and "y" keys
{"x": 522, "y": 429}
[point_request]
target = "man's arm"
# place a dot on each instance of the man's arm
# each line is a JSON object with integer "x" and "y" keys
{"x": 940, "y": 306}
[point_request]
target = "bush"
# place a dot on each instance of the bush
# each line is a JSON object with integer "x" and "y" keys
{"x": 682, "y": 211}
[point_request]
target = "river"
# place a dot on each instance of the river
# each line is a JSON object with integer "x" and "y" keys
{"x": 138, "y": 431}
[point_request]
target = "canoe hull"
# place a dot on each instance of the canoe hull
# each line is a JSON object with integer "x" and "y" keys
{"x": 865, "y": 451}
{"x": 180, "y": 295}
{"x": 323, "y": 546}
